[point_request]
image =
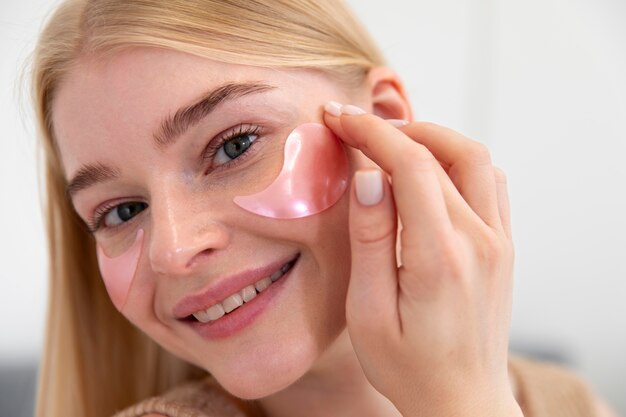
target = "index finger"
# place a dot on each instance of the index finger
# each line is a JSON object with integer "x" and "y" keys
{"x": 417, "y": 190}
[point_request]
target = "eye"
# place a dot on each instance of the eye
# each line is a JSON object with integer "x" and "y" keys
{"x": 233, "y": 148}
{"x": 123, "y": 213}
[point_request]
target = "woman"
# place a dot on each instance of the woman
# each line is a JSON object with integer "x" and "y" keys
{"x": 198, "y": 159}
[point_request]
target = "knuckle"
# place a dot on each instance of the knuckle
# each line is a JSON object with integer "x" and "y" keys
{"x": 451, "y": 264}
{"x": 493, "y": 249}
{"x": 442, "y": 261}
{"x": 478, "y": 154}
{"x": 418, "y": 158}
{"x": 372, "y": 233}
{"x": 499, "y": 175}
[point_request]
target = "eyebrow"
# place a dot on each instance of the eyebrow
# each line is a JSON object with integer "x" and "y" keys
{"x": 89, "y": 175}
{"x": 170, "y": 129}
{"x": 174, "y": 126}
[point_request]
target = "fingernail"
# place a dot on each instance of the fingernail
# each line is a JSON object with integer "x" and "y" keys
{"x": 369, "y": 187}
{"x": 397, "y": 122}
{"x": 351, "y": 110}
{"x": 333, "y": 108}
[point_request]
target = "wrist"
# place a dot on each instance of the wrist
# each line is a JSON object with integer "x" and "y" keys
{"x": 465, "y": 406}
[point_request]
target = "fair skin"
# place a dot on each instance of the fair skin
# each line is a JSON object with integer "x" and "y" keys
{"x": 362, "y": 339}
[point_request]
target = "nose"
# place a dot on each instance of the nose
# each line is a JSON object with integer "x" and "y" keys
{"x": 184, "y": 234}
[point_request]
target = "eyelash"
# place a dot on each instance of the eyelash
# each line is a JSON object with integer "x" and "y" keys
{"x": 241, "y": 130}
{"x": 95, "y": 222}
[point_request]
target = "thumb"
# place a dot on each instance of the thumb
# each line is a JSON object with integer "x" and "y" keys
{"x": 371, "y": 304}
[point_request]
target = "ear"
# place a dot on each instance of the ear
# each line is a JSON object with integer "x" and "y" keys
{"x": 389, "y": 99}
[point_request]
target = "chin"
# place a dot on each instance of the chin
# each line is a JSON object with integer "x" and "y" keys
{"x": 262, "y": 375}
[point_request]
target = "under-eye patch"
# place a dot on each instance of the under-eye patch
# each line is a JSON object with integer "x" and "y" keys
{"x": 313, "y": 178}
{"x": 118, "y": 272}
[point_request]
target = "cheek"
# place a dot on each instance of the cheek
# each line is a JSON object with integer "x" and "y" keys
{"x": 313, "y": 178}
{"x": 118, "y": 272}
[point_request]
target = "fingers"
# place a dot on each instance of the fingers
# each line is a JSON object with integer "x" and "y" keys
{"x": 468, "y": 162}
{"x": 371, "y": 303}
{"x": 417, "y": 193}
{"x": 503, "y": 201}
{"x": 470, "y": 167}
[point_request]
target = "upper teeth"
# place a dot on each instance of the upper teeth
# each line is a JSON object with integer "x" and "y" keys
{"x": 237, "y": 299}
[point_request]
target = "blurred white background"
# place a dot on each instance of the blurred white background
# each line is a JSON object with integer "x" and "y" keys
{"x": 541, "y": 82}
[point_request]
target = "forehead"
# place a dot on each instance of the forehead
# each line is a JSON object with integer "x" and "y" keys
{"x": 129, "y": 94}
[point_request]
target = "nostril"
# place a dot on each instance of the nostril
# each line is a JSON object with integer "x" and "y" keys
{"x": 199, "y": 257}
{"x": 181, "y": 244}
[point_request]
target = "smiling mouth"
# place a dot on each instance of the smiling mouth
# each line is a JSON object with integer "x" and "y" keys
{"x": 241, "y": 297}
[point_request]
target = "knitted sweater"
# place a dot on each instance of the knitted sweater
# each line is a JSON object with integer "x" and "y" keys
{"x": 542, "y": 390}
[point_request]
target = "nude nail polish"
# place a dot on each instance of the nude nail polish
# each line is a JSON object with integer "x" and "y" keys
{"x": 333, "y": 108}
{"x": 350, "y": 110}
{"x": 369, "y": 187}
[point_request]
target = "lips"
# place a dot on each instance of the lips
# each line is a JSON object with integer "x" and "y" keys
{"x": 238, "y": 299}
{"x": 226, "y": 287}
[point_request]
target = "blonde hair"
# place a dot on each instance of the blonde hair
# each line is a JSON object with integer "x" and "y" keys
{"x": 95, "y": 362}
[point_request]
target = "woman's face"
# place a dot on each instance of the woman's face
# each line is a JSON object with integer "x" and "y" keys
{"x": 109, "y": 115}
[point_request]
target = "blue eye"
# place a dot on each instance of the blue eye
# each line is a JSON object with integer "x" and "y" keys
{"x": 123, "y": 213}
{"x": 233, "y": 148}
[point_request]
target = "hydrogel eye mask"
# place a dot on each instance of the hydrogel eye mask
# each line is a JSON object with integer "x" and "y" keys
{"x": 313, "y": 178}
{"x": 118, "y": 272}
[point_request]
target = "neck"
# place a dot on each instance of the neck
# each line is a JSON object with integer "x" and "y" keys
{"x": 335, "y": 386}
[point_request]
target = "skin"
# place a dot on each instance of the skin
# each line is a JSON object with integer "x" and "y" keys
{"x": 364, "y": 338}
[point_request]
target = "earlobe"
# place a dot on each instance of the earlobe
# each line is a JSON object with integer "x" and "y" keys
{"x": 389, "y": 99}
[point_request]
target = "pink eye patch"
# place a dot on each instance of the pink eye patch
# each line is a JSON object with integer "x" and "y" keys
{"x": 118, "y": 272}
{"x": 313, "y": 178}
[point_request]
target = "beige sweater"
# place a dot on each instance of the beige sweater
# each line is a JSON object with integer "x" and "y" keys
{"x": 543, "y": 390}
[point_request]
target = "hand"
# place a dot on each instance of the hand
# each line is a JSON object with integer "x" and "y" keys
{"x": 431, "y": 334}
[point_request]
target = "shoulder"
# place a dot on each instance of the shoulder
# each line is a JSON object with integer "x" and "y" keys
{"x": 201, "y": 398}
{"x": 545, "y": 389}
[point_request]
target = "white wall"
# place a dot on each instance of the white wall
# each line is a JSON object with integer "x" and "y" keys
{"x": 22, "y": 248}
{"x": 541, "y": 82}
{"x": 559, "y": 126}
